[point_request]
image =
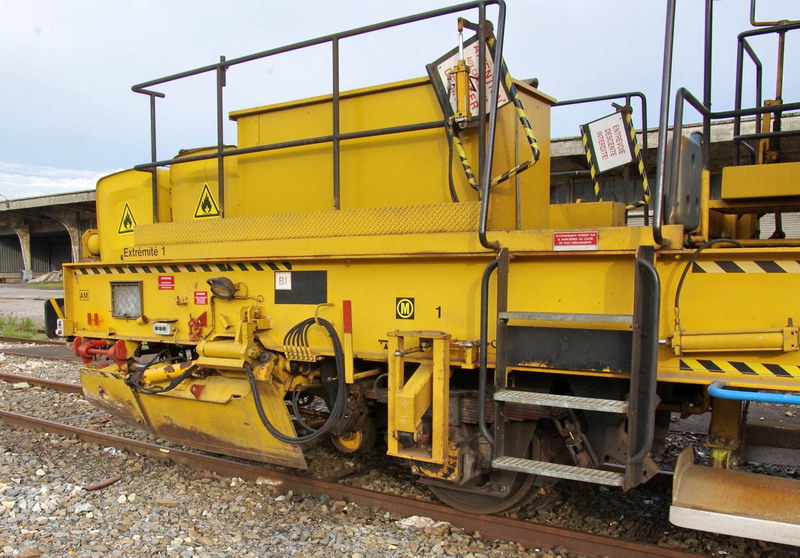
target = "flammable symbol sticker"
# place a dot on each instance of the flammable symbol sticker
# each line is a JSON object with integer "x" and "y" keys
{"x": 206, "y": 205}
{"x": 127, "y": 222}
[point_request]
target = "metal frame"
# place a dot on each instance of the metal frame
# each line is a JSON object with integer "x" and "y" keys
{"x": 627, "y": 96}
{"x": 486, "y": 136}
{"x": 683, "y": 96}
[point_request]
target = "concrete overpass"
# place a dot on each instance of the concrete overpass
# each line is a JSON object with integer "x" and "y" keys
{"x": 39, "y": 234}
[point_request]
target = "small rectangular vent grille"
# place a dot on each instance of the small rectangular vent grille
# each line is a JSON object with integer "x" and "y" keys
{"x": 126, "y": 300}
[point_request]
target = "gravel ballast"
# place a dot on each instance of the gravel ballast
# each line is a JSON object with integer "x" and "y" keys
{"x": 164, "y": 510}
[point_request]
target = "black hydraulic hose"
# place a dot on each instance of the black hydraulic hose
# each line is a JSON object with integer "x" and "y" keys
{"x": 452, "y": 186}
{"x": 484, "y": 347}
{"x": 339, "y": 406}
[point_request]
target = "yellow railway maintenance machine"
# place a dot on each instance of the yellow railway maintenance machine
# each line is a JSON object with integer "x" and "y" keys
{"x": 393, "y": 252}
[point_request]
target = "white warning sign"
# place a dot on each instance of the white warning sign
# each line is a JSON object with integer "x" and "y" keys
{"x": 206, "y": 205}
{"x": 610, "y": 142}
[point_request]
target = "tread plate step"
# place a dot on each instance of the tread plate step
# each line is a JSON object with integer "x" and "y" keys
{"x": 567, "y": 317}
{"x": 562, "y": 401}
{"x": 543, "y": 468}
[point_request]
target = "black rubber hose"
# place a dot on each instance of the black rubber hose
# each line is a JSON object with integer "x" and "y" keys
{"x": 339, "y": 406}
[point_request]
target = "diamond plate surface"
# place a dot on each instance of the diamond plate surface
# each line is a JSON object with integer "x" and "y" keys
{"x": 432, "y": 218}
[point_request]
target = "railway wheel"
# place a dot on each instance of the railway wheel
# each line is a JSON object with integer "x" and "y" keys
{"x": 522, "y": 489}
{"x": 357, "y": 441}
{"x": 500, "y": 491}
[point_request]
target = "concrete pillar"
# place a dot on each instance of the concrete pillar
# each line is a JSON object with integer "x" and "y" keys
{"x": 20, "y": 226}
{"x": 71, "y": 221}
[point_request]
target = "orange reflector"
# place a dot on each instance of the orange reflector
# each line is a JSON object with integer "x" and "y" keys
{"x": 197, "y": 389}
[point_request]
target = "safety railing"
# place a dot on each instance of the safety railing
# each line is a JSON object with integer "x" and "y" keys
{"x": 486, "y": 126}
{"x": 683, "y": 96}
{"x": 743, "y": 46}
{"x": 627, "y": 97}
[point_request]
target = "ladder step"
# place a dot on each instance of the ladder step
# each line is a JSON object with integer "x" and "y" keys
{"x": 559, "y": 471}
{"x": 562, "y": 401}
{"x": 567, "y": 317}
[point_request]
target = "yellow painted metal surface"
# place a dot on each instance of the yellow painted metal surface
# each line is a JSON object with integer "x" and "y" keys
{"x": 126, "y": 201}
{"x": 589, "y": 214}
{"x": 418, "y": 219}
{"x": 222, "y": 419}
{"x": 407, "y": 260}
{"x": 194, "y": 188}
{"x": 783, "y": 340}
{"x": 446, "y": 298}
{"x": 427, "y": 390}
{"x": 409, "y": 168}
{"x": 761, "y": 181}
{"x": 771, "y": 502}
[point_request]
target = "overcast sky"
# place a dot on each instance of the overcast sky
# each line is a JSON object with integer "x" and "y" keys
{"x": 68, "y": 116}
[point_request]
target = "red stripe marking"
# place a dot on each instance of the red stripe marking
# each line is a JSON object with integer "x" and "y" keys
{"x": 347, "y": 316}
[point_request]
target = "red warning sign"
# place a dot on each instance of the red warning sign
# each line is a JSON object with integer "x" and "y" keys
{"x": 166, "y": 282}
{"x": 201, "y": 297}
{"x": 575, "y": 240}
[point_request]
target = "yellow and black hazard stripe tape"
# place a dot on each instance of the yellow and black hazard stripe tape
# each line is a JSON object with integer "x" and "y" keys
{"x": 639, "y": 163}
{"x": 184, "y": 268}
{"x": 735, "y": 367}
{"x": 587, "y": 148}
{"x": 526, "y": 126}
{"x": 747, "y": 266}
{"x": 462, "y": 155}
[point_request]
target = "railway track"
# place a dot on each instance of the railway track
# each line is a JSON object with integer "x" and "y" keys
{"x": 526, "y": 533}
{"x": 48, "y": 349}
{"x": 522, "y": 532}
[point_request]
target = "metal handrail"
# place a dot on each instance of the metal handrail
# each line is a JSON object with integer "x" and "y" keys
{"x": 742, "y": 47}
{"x": 683, "y": 96}
{"x": 220, "y": 69}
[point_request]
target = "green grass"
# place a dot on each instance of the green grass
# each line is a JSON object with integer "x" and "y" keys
{"x": 24, "y": 328}
{"x": 51, "y": 285}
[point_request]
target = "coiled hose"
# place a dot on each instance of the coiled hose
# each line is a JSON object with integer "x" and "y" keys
{"x": 299, "y": 334}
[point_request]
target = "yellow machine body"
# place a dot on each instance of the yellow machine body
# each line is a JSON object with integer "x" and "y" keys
{"x": 390, "y": 256}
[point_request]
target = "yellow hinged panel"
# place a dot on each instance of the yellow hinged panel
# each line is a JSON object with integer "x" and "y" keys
{"x": 585, "y": 215}
{"x": 761, "y": 181}
{"x": 125, "y": 202}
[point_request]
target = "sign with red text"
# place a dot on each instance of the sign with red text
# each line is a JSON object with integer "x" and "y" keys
{"x": 166, "y": 282}
{"x": 575, "y": 240}
{"x": 610, "y": 142}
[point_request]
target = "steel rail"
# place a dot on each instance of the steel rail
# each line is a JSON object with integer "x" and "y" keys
{"x": 6, "y": 339}
{"x": 34, "y": 346}
{"x": 491, "y": 527}
{"x": 63, "y": 387}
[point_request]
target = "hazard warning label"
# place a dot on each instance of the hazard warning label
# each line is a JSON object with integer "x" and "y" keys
{"x": 127, "y": 221}
{"x": 578, "y": 240}
{"x": 206, "y": 205}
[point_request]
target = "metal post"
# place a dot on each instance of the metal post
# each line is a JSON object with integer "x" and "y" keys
{"x": 154, "y": 156}
{"x": 661, "y": 164}
{"x": 707, "y": 84}
{"x": 481, "y": 89}
{"x": 221, "y": 69}
{"x": 335, "y": 101}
